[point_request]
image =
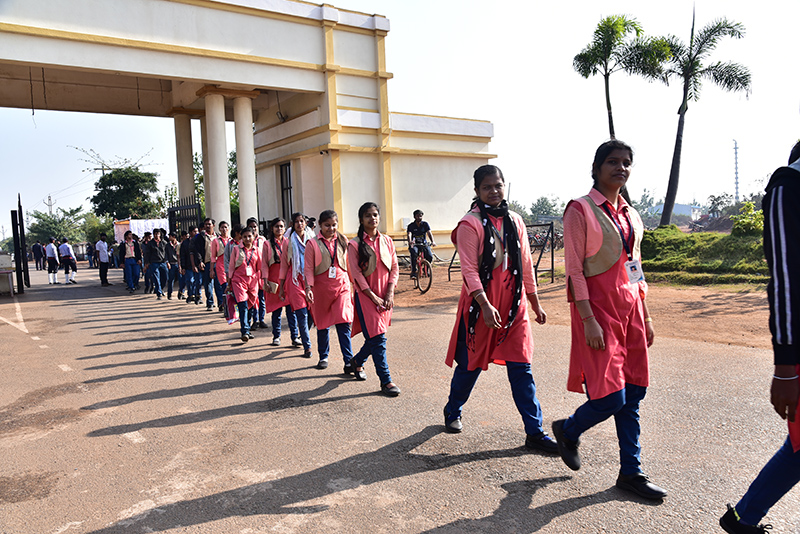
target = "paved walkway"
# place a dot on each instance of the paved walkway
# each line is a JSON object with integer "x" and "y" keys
{"x": 123, "y": 414}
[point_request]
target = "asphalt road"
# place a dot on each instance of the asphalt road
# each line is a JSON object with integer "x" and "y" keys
{"x": 123, "y": 414}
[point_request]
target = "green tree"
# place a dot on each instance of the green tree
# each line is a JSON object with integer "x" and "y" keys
{"x": 125, "y": 192}
{"x": 619, "y": 45}
{"x": 718, "y": 203}
{"x": 546, "y": 207}
{"x": 518, "y": 208}
{"x": 63, "y": 223}
{"x": 749, "y": 221}
{"x": 686, "y": 64}
{"x": 93, "y": 226}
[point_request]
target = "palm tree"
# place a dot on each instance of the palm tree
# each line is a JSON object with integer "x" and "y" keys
{"x": 686, "y": 64}
{"x": 609, "y": 52}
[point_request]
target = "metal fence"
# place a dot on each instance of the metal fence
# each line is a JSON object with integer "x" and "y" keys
{"x": 184, "y": 213}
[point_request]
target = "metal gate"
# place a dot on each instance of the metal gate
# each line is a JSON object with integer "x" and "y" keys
{"x": 183, "y": 214}
{"x": 20, "y": 248}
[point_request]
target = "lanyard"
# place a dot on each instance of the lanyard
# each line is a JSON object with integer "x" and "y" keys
{"x": 621, "y": 234}
{"x": 252, "y": 252}
{"x": 335, "y": 249}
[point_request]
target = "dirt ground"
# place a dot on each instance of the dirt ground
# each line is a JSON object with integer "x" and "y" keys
{"x": 736, "y": 315}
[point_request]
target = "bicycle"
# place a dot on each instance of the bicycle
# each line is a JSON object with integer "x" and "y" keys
{"x": 424, "y": 270}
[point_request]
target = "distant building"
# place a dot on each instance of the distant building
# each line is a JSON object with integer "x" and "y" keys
{"x": 695, "y": 212}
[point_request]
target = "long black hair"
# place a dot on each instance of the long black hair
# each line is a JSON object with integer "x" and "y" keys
{"x": 272, "y": 224}
{"x": 363, "y": 248}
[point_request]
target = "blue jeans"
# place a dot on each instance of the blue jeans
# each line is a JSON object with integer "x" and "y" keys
{"x": 131, "y": 272}
{"x": 219, "y": 289}
{"x": 301, "y": 316}
{"x": 520, "y": 376}
{"x": 207, "y": 283}
{"x": 624, "y": 406}
{"x": 245, "y": 316}
{"x": 181, "y": 280}
{"x": 290, "y": 318}
{"x": 375, "y": 346}
{"x": 173, "y": 273}
{"x": 323, "y": 342}
{"x": 189, "y": 280}
{"x": 774, "y": 481}
{"x": 159, "y": 275}
{"x": 91, "y": 261}
{"x": 262, "y": 306}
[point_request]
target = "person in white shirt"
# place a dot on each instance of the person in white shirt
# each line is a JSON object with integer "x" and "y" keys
{"x": 51, "y": 252}
{"x": 101, "y": 247}
{"x": 68, "y": 260}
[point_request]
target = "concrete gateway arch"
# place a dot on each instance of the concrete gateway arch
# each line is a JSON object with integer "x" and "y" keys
{"x": 305, "y": 85}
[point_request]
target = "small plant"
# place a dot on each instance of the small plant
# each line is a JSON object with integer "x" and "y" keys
{"x": 748, "y": 222}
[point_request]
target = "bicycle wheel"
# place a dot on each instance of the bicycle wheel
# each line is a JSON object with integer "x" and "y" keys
{"x": 424, "y": 276}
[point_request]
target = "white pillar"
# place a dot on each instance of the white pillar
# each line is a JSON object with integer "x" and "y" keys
{"x": 245, "y": 158}
{"x": 204, "y": 149}
{"x": 217, "y": 159}
{"x": 183, "y": 151}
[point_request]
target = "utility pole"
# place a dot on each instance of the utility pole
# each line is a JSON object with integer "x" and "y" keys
{"x": 736, "y": 169}
{"x": 50, "y": 203}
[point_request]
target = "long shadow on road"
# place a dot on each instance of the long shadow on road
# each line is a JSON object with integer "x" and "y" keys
{"x": 290, "y": 495}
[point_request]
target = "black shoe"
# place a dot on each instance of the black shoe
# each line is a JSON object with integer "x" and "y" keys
{"x": 348, "y": 369}
{"x": 262, "y": 324}
{"x": 245, "y": 338}
{"x": 189, "y": 300}
{"x": 323, "y": 364}
{"x": 297, "y": 343}
{"x": 359, "y": 375}
{"x": 453, "y": 426}
{"x": 730, "y": 523}
{"x": 251, "y": 336}
{"x": 73, "y": 282}
{"x": 307, "y": 353}
{"x": 197, "y": 301}
{"x": 641, "y": 486}
{"x": 390, "y": 391}
{"x": 180, "y": 295}
{"x": 169, "y": 296}
{"x": 567, "y": 448}
{"x": 542, "y": 443}
{"x": 158, "y": 297}
{"x": 210, "y": 307}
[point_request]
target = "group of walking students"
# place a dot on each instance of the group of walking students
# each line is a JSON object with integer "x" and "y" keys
{"x": 309, "y": 276}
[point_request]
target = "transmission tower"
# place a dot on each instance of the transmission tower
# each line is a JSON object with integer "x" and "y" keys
{"x": 50, "y": 203}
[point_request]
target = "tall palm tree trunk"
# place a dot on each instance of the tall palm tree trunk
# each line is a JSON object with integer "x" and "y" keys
{"x": 608, "y": 107}
{"x": 674, "y": 171}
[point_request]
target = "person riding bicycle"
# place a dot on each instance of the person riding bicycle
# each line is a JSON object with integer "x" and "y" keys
{"x": 417, "y": 232}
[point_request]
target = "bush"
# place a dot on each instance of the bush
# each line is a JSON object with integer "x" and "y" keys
{"x": 748, "y": 222}
{"x": 704, "y": 255}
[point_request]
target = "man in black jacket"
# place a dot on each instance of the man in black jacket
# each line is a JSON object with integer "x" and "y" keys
{"x": 781, "y": 206}
{"x": 155, "y": 256}
{"x": 201, "y": 263}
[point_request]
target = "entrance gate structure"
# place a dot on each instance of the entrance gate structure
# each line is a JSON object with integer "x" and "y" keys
{"x": 306, "y": 86}
{"x": 184, "y": 213}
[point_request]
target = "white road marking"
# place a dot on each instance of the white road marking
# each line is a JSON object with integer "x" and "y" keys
{"x": 67, "y": 527}
{"x": 134, "y": 437}
{"x": 65, "y": 368}
{"x": 35, "y": 338}
{"x": 19, "y": 324}
{"x": 43, "y": 347}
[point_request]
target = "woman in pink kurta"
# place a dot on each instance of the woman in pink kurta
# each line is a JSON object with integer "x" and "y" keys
{"x": 244, "y": 274}
{"x": 291, "y": 285}
{"x": 611, "y": 326}
{"x": 372, "y": 262}
{"x": 328, "y": 288}
{"x": 218, "y": 259}
{"x": 492, "y": 324}
{"x": 271, "y": 254}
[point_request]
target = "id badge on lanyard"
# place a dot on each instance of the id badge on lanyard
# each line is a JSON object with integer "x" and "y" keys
{"x": 332, "y": 269}
{"x": 633, "y": 268}
{"x": 248, "y": 269}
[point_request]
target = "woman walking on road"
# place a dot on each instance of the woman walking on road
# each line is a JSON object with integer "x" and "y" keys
{"x": 611, "y": 326}
{"x": 328, "y": 288}
{"x": 292, "y": 265}
{"x": 271, "y": 271}
{"x": 372, "y": 262}
{"x": 492, "y": 324}
{"x": 244, "y": 273}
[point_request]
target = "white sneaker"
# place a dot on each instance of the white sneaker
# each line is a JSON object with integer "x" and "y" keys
{"x": 276, "y": 341}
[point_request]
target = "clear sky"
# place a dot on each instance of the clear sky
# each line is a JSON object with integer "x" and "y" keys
{"x": 509, "y": 62}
